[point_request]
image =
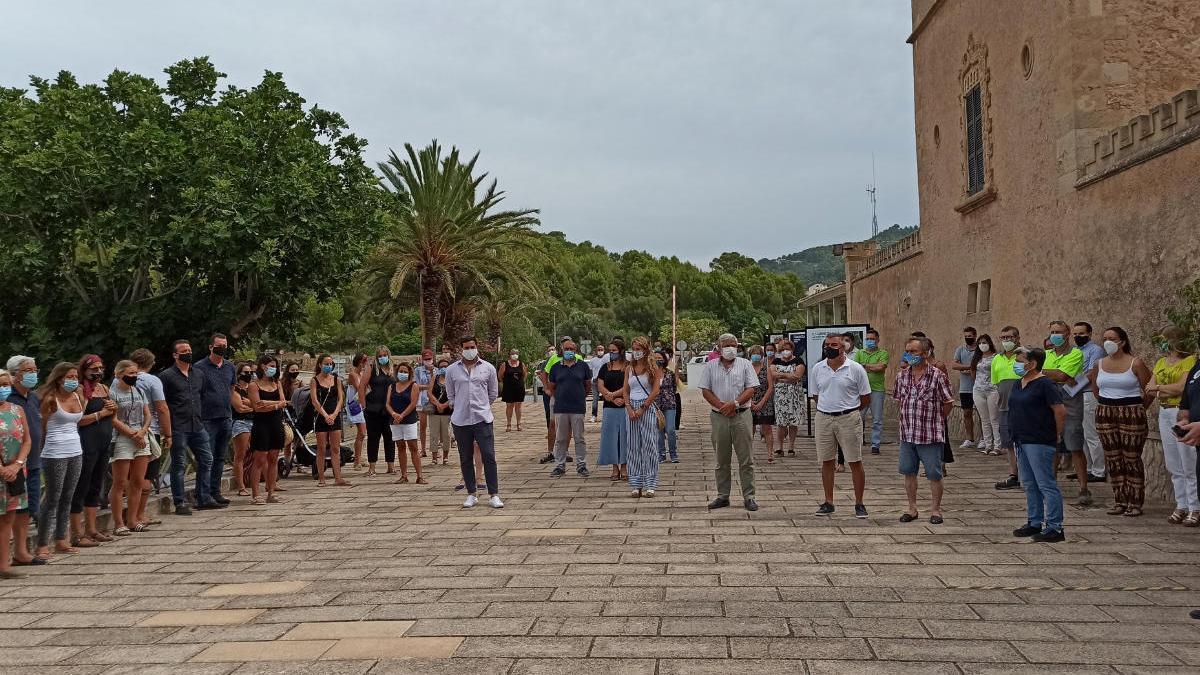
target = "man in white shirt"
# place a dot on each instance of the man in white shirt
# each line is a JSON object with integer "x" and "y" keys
{"x": 471, "y": 387}
{"x": 842, "y": 391}
{"x": 598, "y": 359}
{"x": 727, "y": 384}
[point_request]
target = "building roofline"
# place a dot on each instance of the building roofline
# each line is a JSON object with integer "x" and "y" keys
{"x": 912, "y": 38}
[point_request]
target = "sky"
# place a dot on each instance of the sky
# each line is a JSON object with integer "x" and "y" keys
{"x": 681, "y": 127}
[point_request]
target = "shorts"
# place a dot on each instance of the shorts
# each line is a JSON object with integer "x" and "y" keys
{"x": 124, "y": 448}
{"x": 834, "y": 431}
{"x": 967, "y": 399}
{"x": 929, "y": 454}
{"x": 360, "y": 418}
{"x": 405, "y": 432}
{"x": 242, "y": 427}
{"x": 1072, "y": 435}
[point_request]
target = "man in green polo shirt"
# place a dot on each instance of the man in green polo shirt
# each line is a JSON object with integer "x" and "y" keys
{"x": 874, "y": 360}
{"x": 1064, "y": 365}
{"x": 1004, "y": 377}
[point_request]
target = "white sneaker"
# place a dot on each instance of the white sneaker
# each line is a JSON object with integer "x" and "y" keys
{"x": 967, "y": 444}
{"x": 472, "y": 500}
{"x": 495, "y": 502}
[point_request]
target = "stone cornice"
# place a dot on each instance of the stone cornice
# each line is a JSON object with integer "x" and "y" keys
{"x": 1166, "y": 127}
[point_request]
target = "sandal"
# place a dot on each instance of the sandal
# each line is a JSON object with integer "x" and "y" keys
{"x": 99, "y": 536}
{"x": 122, "y": 531}
{"x": 792, "y": 453}
{"x": 402, "y": 479}
{"x": 280, "y": 488}
{"x": 36, "y": 560}
{"x": 1116, "y": 510}
{"x": 259, "y": 501}
{"x": 1192, "y": 520}
{"x": 909, "y": 517}
{"x": 68, "y": 549}
{"x": 272, "y": 499}
{"x": 779, "y": 453}
{"x": 1133, "y": 512}
{"x": 421, "y": 480}
{"x": 243, "y": 492}
{"x": 1177, "y": 516}
{"x": 935, "y": 520}
{"x": 770, "y": 460}
{"x": 141, "y": 527}
{"x": 83, "y": 542}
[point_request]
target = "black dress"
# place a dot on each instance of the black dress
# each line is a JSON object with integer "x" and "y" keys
{"x": 95, "y": 439}
{"x": 327, "y": 400}
{"x": 267, "y": 433}
{"x": 512, "y": 387}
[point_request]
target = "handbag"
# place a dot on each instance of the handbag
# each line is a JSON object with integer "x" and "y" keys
{"x": 16, "y": 487}
{"x": 155, "y": 448}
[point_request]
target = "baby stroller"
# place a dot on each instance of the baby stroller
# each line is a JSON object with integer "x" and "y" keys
{"x": 305, "y": 455}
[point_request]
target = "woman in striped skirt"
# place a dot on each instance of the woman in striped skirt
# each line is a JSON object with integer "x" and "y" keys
{"x": 1119, "y": 381}
{"x": 641, "y": 387}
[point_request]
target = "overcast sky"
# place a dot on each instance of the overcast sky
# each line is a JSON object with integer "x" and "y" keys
{"x": 684, "y": 127}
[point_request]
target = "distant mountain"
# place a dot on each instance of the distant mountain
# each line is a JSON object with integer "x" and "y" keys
{"x": 818, "y": 265}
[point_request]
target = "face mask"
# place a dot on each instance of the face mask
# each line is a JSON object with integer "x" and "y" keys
{"x": 94, "y": 377}
{"x": 403, "y": 377}
{"x": 5, "y": 392}
{"x": 869, "y": 344}
{"x": 1008, "y": 345}
{"x": 785, "y": 354}
{"x": 185, "y": 358}
{"x": 1164, "y": 347}
{"x": 614, "y": 355}
{"x": 441, "y": 371}
{"x": 271, "y": 371}
{"x": 969, "y": 341}
{"x": 830, "y": 352}
{"x": 1019, "y": 368}
{"x": 1057, "y": 340}
{"x": 70, "y": 385}
{"x": 218, "y": 352}
{"x": 327, "y": 369}
{"x": 637, "y": 354}
{"x": 729, "y": 353}
{"x": 29, "y": 380}
{"x": 568, "y": 354}
{"x": 470, "y": 354}
{"x": 512, "y": 357}
{"x": 129, "y": 379}
{"x": 756, "y": 357}
{"x": 1081, "y": 340}
{"x": 849, "y": 346}
{"x": 662, "y": 364}
{"x": 985, "y": 347}
{"x": 1111, "y": 347}
{"x": 770, "y": 354}
{"x": 383, "y": 360}
{"x": 911, "y": 359}
{"x": 245, "y": 377}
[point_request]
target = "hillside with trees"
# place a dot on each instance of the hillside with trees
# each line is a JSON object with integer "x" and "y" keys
{"x": 818, "y": 265}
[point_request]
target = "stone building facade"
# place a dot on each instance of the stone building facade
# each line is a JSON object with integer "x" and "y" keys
{"x": 1057, "y": 175}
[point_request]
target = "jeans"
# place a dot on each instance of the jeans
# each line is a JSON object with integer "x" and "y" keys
{"x": 595, "y": 396}
{"x": 668, "y": 437}
{"x": 467, "y": 437}
{"x": 1180, "y": 461}
{"x": 33, "y": 491}
{"x": 1043, "y": 499}
{"x": 197, "y": 442}
{"x": 566, "y": 427}
{"x": 220, "y": 433}
{"x": 912, "y": 455}
{"x": 877, "y": 399}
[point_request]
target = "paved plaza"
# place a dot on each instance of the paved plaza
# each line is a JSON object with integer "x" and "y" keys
{"x": 574, "y": 576}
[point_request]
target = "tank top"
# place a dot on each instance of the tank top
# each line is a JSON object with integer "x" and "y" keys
{"x": 96, "y": 436}
{"x": 639, "y": 387}
{"x": 1118, "y": 385}
{"x": 327, "y": 397}
{"x": 439, "y": 395}
{"x": 377, "y": 393}
{"x": 244, "y": 392}
{"x": 271, "y": 416}
{"x": 514, "y": 376}
{"x": 62, "y": 435}
{"x": 400, "y": 401}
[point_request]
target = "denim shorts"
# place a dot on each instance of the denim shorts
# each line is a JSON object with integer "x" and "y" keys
{"x": 913, "y": 454}
{"x": 242, "y": 427}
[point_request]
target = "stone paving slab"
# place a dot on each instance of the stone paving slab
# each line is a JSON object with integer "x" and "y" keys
{"x": 574, "y": 576}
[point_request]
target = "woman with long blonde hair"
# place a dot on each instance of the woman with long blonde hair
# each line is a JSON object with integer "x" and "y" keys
{"x": 642, "y": 384}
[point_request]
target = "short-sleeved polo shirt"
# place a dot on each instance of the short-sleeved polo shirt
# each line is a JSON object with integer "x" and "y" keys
{"x": 868, "y": 358}
{"x": 842, "y": 389}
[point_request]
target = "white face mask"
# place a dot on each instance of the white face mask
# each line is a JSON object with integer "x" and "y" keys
{"x": 470, "y": 354}
{"x": 637, "y": 354}
{"x": 729, "y": 353}
{"x": 849, "y": 346}
{"x": 985, "y": 347}
{"x": 1111, "y": 347}
{"x": 786, "y": 354}
{"x": 1008, "y": 345}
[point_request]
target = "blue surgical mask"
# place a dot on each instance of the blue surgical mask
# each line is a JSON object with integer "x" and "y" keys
{"x": 1019, "y": 368}
{"x": 441, "y": 371}
{"x": 326, "y": 369}
{"x": 568, "y": 355}
{"x": 29, "y": 380}
{"x": 911, "y": 359}
{"x": 869, "y": 343}
{"x": 770, "y": 355}
{"x": 70, "y": 385}
{"x": 403, "y": 377}
{"x": 5, "y": 392}
{"x": 1057, "y": 340}
{"x": 383, "y": 360}
{"x": 756, "y": 357}
{"x": 271, "y": 371}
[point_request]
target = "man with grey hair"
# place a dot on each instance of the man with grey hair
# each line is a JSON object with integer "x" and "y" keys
{"x": 727, "y": 384}
{"x": 24, "y": 380}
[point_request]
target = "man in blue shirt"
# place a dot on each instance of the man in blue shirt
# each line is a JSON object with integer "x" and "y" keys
{"x": 216, "y": 408}
{"x": 569, "y": 383}
{"x": 1092, "y": 353}
{"x": 24, "y": 380}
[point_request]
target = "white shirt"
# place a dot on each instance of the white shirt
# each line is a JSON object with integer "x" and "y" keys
{"x": 596, "y": 362}
{"x": 839, "y": 390}
{"x": 727, "y": 383}
{"x": 471, "y": 393}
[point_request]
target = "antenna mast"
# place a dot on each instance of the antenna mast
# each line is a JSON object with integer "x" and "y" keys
{"x": 871, "y": 196}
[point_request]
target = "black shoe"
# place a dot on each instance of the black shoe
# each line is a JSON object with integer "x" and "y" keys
{"x": 558, "y": 471}
{"x": 825, "y": 509}
{"x": 546, "y": 458}
{"x": 860, "y": 511}
{"x": 751, "y": 505}
{"x": 211, "y": 504}
{"x": 1027, "y": 530}
{"x": 183, "y": 510}
{"x": 719, "y": 503}
{"x": 1010, "y": 483}
{"x": 874, "y": 449}
{"x": 1195, "y": 613}
{"x": 584, "y": 472}
{"x": 220, "y": 499}
{"x": 1096, "y": 479}
{"x": 1050, "y": 537}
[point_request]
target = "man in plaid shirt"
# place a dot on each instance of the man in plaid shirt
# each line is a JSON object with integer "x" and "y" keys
{"x": 923, "y": 393}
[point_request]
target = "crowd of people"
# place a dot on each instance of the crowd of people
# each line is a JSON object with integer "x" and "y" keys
{"x": 1067, "y": 404}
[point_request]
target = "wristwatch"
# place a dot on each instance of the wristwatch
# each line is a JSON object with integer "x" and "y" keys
{"x": 20, "y": 462}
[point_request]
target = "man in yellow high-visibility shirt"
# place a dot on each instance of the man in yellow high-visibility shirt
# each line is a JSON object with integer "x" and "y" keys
{"x": 1004, "y": 377}
{"x": 1064, "y": 365}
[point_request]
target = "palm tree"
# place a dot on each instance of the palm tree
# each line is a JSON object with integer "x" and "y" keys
{"x": 446, "y": 233}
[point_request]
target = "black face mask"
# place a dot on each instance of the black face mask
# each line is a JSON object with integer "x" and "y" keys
{"x": 245, "y": 377}
{"x": 969, "y": 341}
{"x": 186, "y": 358}
{"x": 129, "y": 379}
{"x": 95, "y": 377}
{"x": 830, "y": 352}
{"x": 1081, "y": 340}
{"x": 220, "y": 351}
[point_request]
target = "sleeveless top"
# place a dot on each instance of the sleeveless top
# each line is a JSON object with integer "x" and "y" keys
{"x": 639, "y": 387}
{"x": 62, "y": 435}
{"x": 514, "y": 376}
{"x": 272, "y": 416}
{"x": 400, "y": 401}
{"x": 327, "y": 397}
{"x": 439, "y": 395}
{"x": 244, "y": 392}
{"x": 96, "y": 436}
{"x": 1118, "y": 385}
{"x": 377, "y": 393}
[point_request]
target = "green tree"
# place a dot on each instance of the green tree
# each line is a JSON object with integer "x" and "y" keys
{"x": 700, "y": 334}
{"x": 731, "y": 262}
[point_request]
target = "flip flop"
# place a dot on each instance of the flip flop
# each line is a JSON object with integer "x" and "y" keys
{"x": 935, "y": 520}
{"x": 32, "y": 561}
{"x": 141, "y": 527}
{"x": 908, "y": 517}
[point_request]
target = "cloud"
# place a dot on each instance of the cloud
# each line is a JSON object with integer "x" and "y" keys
{"x": 686, "y": 128}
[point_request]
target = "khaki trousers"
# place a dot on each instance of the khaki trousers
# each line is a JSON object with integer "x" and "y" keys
{"x": 732, "y": 435}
